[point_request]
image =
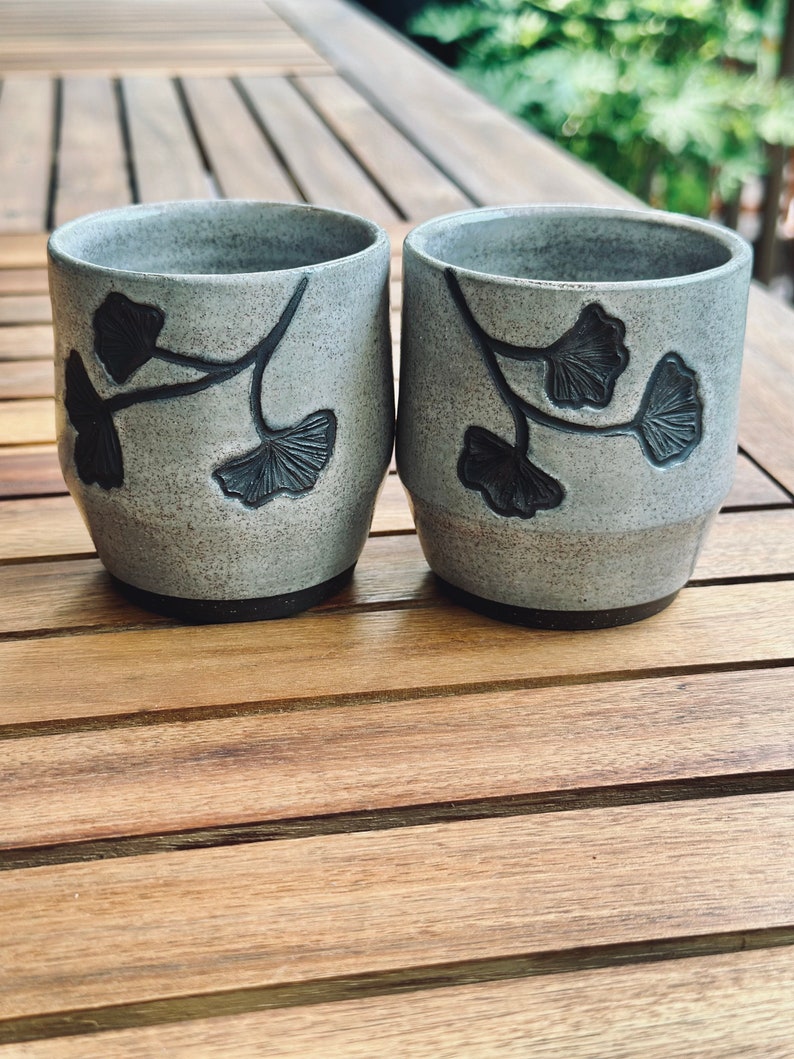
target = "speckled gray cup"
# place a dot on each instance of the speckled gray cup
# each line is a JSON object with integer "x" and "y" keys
{"x": 224, "y": 398}
{"x": 569, "y": 389}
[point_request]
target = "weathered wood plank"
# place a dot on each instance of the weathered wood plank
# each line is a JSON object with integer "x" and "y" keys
{"x": 375, "y": 756}
{"x": 99, "y": 933}
{"x": 23, "y": 250}
{"x": 25, "y": 309}
{"x": 494, "y": 158}
{"x": 26, "y": 341}
{"x": 412, "y": 181}
{"x": 380, "y": 652}
{"x": 766, "y": 423}
{"x": 26, "y": 143}
{"x": 30, "y": 470}
{"x": 27, "y": 422}
{"x": 92, "y": 171}
{"x": 243, "y": 162}
{"x": 22, "y": 280}
{"x": 51, "y": 526}
{"x": 715, "y": 1007}
{"x": 165, "y": 158}
{"x": 323, "y": 170}
{"x": 26, "y": 378}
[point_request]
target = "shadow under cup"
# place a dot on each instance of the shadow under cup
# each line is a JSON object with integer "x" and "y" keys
{"x": 224, "y": 398}
{"x": 569, "y": 388}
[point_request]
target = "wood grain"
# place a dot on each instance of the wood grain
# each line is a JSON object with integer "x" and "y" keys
{"x": 766, "y": 421}
{"x": 27, "y": 422}
{"x": 25, "y": 342}
{"x": 184, "y": 923}
{"x": 28, "y": 471}
{"x": 418, "y": 188}
{"x": 92, "y": 170}
{"x": 22, "y": 280}
{"x": 165, "y": 157}
{"x": 25, "y": 309}
{"x": 27, "y": 113}
{"x": 446, "y": 751}
{"x": 316, "y": 656}
{"x": 51, "y": 526}
{"x": 323, "y": 170}
{"x": 244, "y": 164}
{"x": 492, "y": 157}
{"x": 26, "y": 378}
{"x": 715, "y": 1007}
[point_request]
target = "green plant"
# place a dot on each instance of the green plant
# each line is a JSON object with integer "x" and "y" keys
{"x": 673, "y": 99}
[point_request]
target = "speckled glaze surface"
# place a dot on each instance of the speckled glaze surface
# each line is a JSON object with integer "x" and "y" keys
{"x": 568, "y": 411}
{"x": 224, "y": 397}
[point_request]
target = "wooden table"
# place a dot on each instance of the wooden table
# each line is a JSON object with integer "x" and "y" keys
{"x": 387, "y": 827}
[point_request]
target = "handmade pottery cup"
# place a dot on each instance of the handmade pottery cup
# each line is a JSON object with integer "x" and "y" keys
{"x": 569, "y": 386}
{"x": 224, "y": 398}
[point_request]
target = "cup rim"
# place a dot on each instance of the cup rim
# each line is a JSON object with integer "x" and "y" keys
{"x": 739, "y": 249}
{"x": 58, "y": 249}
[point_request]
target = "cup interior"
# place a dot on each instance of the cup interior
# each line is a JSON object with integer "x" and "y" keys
{"x": 223, "y": 237}
{"x": 572, "y": 245}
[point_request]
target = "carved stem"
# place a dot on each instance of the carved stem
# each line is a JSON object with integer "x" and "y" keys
{"x": 259, "y": 354}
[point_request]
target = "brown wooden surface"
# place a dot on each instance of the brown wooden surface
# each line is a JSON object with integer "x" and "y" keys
{"x": 388, "y": 826}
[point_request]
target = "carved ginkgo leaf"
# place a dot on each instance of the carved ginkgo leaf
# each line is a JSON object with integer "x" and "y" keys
{"x": 287, "y": 462}
{"x": 669, "y": 421}
{"x": 125, "y": 334}
{"x": 583, "y": 364}
{"x": 97, "y": 451}
{"x": 510, "y": 484}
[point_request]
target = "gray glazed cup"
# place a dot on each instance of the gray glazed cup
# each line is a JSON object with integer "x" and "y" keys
{"x": 569, "y": 390}
{"x": 224, "y": 398}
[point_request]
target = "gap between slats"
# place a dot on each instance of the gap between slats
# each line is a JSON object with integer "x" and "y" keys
{"x": 58, "y": 1032}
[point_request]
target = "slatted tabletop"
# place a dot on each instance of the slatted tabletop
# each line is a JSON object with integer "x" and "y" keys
{"x": 388, "y": 826}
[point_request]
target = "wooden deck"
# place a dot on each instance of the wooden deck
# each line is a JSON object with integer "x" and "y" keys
{"x": 389, "y": 826}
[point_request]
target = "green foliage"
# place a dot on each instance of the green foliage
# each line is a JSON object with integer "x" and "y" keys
{"x": 673, "y": 99}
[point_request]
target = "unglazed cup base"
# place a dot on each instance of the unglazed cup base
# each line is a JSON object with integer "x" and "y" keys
{"x": 555, "y": 619}
{"x": 210, "y": 611}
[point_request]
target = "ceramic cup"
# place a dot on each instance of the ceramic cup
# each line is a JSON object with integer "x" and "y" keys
{"x": 569, "y": 386}
{"x": 224, "y": 398}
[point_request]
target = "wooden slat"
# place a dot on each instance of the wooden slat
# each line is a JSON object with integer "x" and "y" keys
{"x": 27, "y": 422}
{"x": 323, "y": 170}
{"x": 118, "y": 37}
{"x": 103, "y": 933}
{"x": 25, "y": 309}
{"x": 26, "y": 378}
{"x": 61, "y": 595}
{"x": 413, "y": 182}
{"x": 22, "y": 280}
{"x": 51, "y": 526}
{"x": 380, "y": 652}
{"x": 30, "y": 470}
{"x": 491, "y": 156}
{"x": 243, "y": 162}
{"x": 766, "y": 423}
{"x": 92, "y": 173}
{"x": 25, "y": 342}
{"x": 753, "y": 487}
{"x": 749, "y": 544}
{"x": 715, "y": 1007}
{"x": 26, "y": 142}
{"x": 54, "y": 595}
{"x": 165, "y": 158}
{"x": 374, "y": 756}
{"x": 23, "y": 250}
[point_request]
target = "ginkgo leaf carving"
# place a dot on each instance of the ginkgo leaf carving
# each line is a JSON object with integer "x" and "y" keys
{"x": 510, "y": 483}
{"x": 125, "y": 334}
{"x": 669, "y": 421}
{"x": 97, "y": 450}
{"x": 287, "y": 462}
